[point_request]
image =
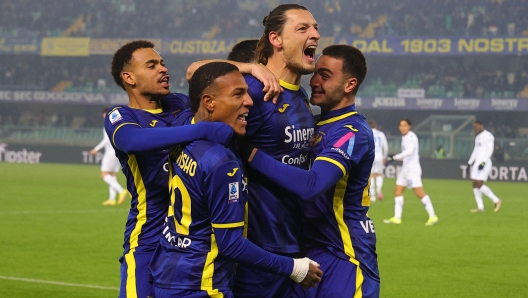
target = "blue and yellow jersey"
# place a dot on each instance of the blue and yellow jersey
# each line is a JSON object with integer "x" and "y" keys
{"x": 338, "y": 219}
{"x": 146, "y": 174}
{"x": 283, "y": 131}
{"x": 208, "y": 193}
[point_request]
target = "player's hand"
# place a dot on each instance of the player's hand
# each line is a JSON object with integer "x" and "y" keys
{"x": 272, "y": 87}
{"x": 93, "y": 152}
{"x": 481, "y": 166}
{"x": 313, "y": 277}
{"x": 245, "y": 149}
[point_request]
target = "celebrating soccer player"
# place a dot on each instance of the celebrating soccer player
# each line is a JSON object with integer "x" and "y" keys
{"x": 141, "y": 134}
{"x": 203, "y": 233}
{"x": 337, "y": 232}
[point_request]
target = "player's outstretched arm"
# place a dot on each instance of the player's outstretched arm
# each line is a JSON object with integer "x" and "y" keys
{"x": 131, "y": 138}
{"x": 234, "y": 246}
{"x": 271, "y": 84}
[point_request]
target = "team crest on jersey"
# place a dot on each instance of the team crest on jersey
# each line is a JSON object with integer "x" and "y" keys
{"x": 234, "y": 194}
{"x": 115, "y": 116}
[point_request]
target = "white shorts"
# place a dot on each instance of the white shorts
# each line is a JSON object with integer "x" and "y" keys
{"x": 481, "y": 175}
{"x": 110, "y": 163}
{"x": 410, "y": 179}
{"x": 377, "y": 167}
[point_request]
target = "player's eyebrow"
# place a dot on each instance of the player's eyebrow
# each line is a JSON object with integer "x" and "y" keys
{"x": 324, "y": 69}
{"x": 240, "y": 90}
{"x": 153, "y": 61}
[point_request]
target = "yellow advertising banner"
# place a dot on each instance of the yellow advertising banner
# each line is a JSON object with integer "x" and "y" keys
{"x": 65, "y": 46}
{"x": 108, "y": 46}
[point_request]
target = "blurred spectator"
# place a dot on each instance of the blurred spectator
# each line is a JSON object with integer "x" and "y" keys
{"x": 498, "y": 153}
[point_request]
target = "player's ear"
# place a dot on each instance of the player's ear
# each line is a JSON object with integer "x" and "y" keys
{"x": 350, "y": 84}
{"x": 208, "y": 102}
{"x": 128, "y": 78}
{"x": 275, "y": 39}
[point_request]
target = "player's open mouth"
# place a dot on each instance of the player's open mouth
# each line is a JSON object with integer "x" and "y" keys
{"x": 242, "y": 118}
{"x": 165, "y": 81}
{"x": 309, "y": 53}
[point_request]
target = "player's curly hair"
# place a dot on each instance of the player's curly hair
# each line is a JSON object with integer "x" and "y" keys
{"x": 123, "y": 56}
{"x": 354, "y": 62}
{"x": 204, "y": 77}
{"x": 274, "y": 21}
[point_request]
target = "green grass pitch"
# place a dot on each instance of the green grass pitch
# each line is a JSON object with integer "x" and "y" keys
{"x": 57, "y": 240}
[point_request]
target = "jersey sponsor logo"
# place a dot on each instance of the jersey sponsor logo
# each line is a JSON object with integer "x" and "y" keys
{"x": 300, "y": 137}
{"x": 181, "y": 242}
{"x": 153, "y": 123}
{"x": 350, "y": 138}
{"x": 115, "y": 116}
{"x": 231, "y": 174}
{"x": 351, "y": 128}
{"x": 299, "y": 160}
{"x": 284, "y": 107}
{"x": 234, "y": 194}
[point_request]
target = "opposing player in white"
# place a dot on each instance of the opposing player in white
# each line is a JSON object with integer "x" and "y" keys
{"x": 480, "y": 165}
{"x": 109, "y": 167}
{"x": 380, "y": 158}
{"x": 410, "y": 175}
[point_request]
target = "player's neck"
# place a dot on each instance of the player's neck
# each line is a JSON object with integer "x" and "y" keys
{"x": 277, "y": 66}
{"x": 143, "y": 103}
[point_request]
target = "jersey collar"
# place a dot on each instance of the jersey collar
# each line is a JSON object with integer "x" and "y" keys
{"x": 336, "y": 115}
{"x": 289, "y": 86}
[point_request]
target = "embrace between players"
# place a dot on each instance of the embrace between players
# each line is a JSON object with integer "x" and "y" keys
{"x": 262, "y": 199}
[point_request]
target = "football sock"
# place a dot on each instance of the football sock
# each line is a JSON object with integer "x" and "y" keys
{"x": 371, "y": 190}
{"x": 428, "y": 205}
{"x": 379, "y": 183}
{"x": 112, "y": 193}
{"x": 112, "y": 181}
{"x": 478, "y": 198}
{"x": 487, "y": 191}
{"x": 398, "y": 206}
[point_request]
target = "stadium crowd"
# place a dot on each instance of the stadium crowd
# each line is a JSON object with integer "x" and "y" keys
{"x": 242, "y": 18}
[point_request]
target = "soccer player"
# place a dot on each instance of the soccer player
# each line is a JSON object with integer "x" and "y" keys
{"x": 109, "y": 167}
{"x": 480, "y": 164}
{"x": 203, "y": 233}
{"x": 337, "y": 232}
{"x": 410, "y": 175}
{"x": 283, "y": 131}
{"x": 140, "y": 133}
{"x": 382, "y": 151}
{"x": 244, "y": 51}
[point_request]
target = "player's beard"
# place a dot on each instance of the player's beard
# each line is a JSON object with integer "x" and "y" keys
{"x": 299, "y": 67}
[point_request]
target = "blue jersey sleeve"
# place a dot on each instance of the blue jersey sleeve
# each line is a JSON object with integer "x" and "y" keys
{"x": 343, "y": 150}
{"x": 127, "y": 135}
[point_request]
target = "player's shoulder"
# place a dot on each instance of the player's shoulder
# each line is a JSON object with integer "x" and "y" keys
{"x": 183, "y": 118}
{"x": 175, "y": 102}
{"x": 210, "y": 155}
{"x": 118, "y": 113}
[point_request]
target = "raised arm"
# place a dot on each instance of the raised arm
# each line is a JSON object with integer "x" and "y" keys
{"x": 271, "y": 84}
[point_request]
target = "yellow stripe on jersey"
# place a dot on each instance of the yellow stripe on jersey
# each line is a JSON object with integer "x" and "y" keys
{"x": 338, "y": 204}
{"x": 289, "y": 86}
{"x": 182, "y": 227}
{"x": 365, "y": 200}
{"x": 131, "y": 291}
{"x": 332, "y": 161}
{"x": 359, "y": 283}
{"x": 120, "y": 125}
{"x": 246, "y": 219}
{"x": 141, "y": 218}
{"x": 334, "y": 119}
{"x": 208, "y": 272}
{"x": 228, "y": 225}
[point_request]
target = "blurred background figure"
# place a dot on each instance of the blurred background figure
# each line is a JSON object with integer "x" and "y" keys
{"x": 439, "y": 152}
{"x": 382, "y": 151}
{"x": 109, "y": 167}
